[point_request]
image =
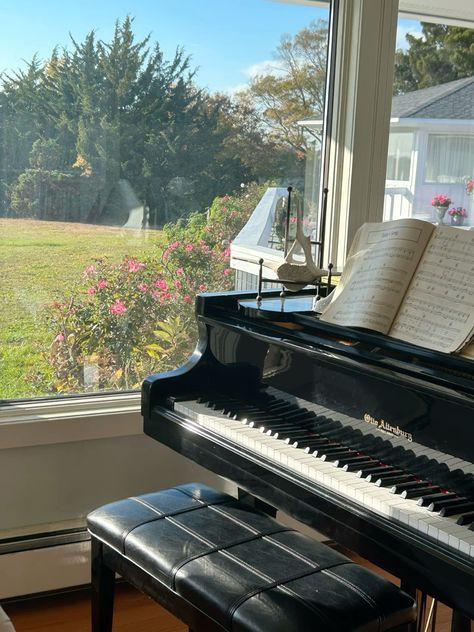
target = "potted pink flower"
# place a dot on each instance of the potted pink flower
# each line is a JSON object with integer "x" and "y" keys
{"x": 441, "y": 204}
{"x": 470, "y": 186}
{"x": 458, "y": 215}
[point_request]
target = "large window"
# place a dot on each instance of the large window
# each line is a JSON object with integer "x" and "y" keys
{"x": 132, "y": 151}
{"x": 449, "y": 158}
{"x": 399, "y": 156}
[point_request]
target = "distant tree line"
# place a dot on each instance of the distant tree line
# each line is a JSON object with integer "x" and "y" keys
{"x": 72, "y": 127}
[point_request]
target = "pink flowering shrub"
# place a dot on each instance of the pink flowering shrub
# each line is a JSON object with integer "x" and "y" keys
{"x": 223, "y": 221}
{"x": 126, "y": 320}
{"x": 100, "y": 333}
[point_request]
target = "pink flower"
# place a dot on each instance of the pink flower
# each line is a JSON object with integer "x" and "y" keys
{"x": 202, "y": 287}
{"x": 179, "y": 270}
{"x": 293, "y": 220}
{"x": 441, "y": 200}
{"x": 177, "y": 284}
{"x": 161, "y": 284}
{"x": 89, "y": 270}
{"x": 118, "y": 307}
{"x": 174, "y": 245}
{"x": 164, "y": 297}
{"x": 91, "y": 290}
{"x": 101, "y": 284}
{"x": 134, "y": 265}
{"x": 227, "y": 271}
{"x": 143, "y": 287}
{"x": 186, "y": 298}
{"x": 60, "y": 337}
{"x": 226, "y": 252}
{"x": 189, "y": 247}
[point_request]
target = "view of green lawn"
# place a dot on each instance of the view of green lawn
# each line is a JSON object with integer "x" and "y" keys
{"x": 41, "y": 262}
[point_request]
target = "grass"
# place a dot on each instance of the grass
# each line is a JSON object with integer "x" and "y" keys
{"x": 39, "y": 263}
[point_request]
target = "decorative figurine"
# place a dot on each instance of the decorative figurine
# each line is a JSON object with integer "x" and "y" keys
{"x": 293, "y": 275}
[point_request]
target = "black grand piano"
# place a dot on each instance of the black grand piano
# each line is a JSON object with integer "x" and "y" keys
{"x": 365, "y": 438}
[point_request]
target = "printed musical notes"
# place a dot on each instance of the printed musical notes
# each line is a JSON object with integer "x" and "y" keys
{"x": 438, "y": 309}
{"x": 378, "y": 271}
{"x": 411, "y": 281}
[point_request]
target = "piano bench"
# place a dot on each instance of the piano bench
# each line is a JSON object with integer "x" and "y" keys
{"x": 218, "y": 564}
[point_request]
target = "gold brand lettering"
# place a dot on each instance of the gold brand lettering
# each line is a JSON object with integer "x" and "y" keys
{"x": 387, "y": 428}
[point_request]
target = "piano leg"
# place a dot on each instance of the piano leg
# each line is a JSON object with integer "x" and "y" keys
{"x": 460, "y": 623}
{"x": 256, "y": 503}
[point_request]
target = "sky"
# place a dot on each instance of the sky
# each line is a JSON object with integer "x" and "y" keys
{"x": 228, "y": 40}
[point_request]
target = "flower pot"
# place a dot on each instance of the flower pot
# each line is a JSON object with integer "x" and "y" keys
{"x": 457, "y": 220}
{"x": 441, "y": 212}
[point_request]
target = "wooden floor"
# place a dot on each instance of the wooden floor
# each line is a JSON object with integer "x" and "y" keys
{"x": 70, "y": 612}
{"x": 134, "y": 612}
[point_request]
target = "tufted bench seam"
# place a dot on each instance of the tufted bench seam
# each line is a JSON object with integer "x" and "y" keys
{"x": 356, "y": 589}
{"x": 273, "y": 584}
{"x": 171, "y": 514}
{"x": 217, "y": 548}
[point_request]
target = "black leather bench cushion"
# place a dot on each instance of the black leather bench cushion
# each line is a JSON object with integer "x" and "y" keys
{"x": 244, "y": 569}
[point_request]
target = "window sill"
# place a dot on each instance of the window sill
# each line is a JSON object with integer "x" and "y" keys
{"x": 45, "y": 422}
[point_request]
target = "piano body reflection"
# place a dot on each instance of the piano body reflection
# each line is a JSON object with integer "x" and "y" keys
{"x": 367, "y": 439}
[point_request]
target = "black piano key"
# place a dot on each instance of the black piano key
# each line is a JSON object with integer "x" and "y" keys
{"x": 466, "y": 519}
{"x": 456, "y": 508}
{"x": 355, "y": 467}
{"x": 332, "y": 448}
{"x": 333, "y": 456}
{"x": 373, "y": 469}
{"x": 413, "y": 484}
{"x": 427, "y": 499}
{"x": 311, "y": 446}
{"x": 437, "y": 505}
{"x": 391, "y": 471}
{"x": 316, "y": 443}
{"x": 355, "y": 458}
{"x": 418, "y": 492}
{"x": 389, "y": 481}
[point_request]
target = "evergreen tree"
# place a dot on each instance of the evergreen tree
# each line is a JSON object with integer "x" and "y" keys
{"x": 443, "y": 53}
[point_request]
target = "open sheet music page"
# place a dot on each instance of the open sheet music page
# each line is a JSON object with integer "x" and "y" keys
{"x": 438, "y": 309}
{"x": 378, "y": 271}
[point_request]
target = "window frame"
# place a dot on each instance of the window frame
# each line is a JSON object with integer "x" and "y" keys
{"x": 355, "y": 177}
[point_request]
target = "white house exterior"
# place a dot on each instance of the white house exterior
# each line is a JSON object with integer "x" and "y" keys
{"x": 431, "y": 150}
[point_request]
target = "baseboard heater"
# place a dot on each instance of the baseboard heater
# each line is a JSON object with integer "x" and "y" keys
{"x": 43, "y": 540}
{"x": 44, "y": 562}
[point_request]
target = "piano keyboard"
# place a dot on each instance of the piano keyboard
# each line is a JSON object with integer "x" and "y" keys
{"x": 345, "y": 456}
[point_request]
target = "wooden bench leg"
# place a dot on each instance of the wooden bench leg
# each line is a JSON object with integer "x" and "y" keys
{"x": 103, "y": 585}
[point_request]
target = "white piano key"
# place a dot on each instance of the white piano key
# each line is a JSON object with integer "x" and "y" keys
{"x": 467, "y": 543}
{"x": 456, "y": 536}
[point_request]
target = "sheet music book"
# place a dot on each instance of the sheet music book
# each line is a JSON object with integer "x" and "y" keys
{"x": 411, "y": 280}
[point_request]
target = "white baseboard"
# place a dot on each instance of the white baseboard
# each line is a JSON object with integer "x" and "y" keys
{"x": 42, "y": 570}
